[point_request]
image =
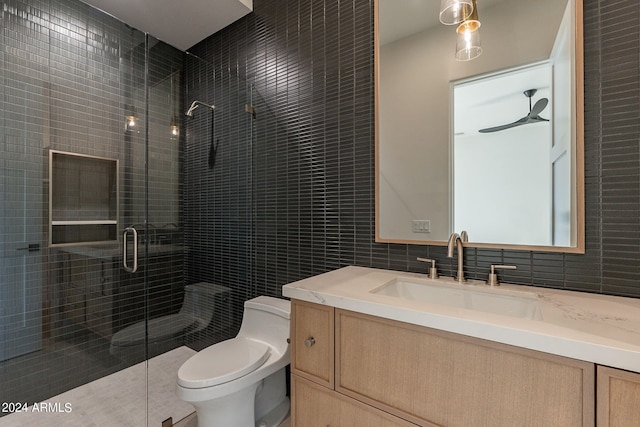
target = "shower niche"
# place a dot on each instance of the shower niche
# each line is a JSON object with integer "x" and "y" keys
{"x": 83, "y": 199}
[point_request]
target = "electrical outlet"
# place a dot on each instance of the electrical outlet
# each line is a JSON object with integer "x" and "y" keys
{"x": 421, "y": 226}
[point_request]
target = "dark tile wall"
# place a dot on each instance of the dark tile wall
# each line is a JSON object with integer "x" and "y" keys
{"x": 217, "y": 182}
{"x": 311, "y": 63}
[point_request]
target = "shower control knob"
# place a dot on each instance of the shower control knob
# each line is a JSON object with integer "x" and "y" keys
{"x": 309, "y": 342}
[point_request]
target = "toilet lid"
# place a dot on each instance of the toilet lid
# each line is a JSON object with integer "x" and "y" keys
{"x": 222, "y": 362}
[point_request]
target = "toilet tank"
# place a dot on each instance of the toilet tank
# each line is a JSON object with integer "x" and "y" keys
{"x": 267, "y": 319}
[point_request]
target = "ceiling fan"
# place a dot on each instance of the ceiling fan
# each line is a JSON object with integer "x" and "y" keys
{"x": 532, "y": 117}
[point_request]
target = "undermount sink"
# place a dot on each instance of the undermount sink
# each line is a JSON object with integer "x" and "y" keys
{"x": 490, "y": 300}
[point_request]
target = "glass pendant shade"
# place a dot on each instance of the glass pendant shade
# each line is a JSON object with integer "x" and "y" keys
{"x": 175, "y": 129}
{"x": 455, "y": 11}
{"x": 130, "y": 116}
{"x": 468, "y": 44}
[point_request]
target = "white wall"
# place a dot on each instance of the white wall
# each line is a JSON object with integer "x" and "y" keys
{"x": 503, "y": 186}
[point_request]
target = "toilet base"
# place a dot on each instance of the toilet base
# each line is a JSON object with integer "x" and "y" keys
{"x": 276, "y": 416}
{"x": 265, "y": 399}
{"x": 233, "y": 410}
{"x": 272, "y": 392}
{"x": 232, "y": 419}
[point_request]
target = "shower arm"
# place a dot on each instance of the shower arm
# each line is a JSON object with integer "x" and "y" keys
{"x": 196, "y": 104}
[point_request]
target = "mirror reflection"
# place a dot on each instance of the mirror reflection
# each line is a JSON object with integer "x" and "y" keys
{"x": 490, "y": 145}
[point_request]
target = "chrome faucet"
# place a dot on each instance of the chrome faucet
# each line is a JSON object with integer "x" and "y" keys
{"x": 457, "y": 240}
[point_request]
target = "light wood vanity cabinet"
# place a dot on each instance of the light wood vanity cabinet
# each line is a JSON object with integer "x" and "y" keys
{"x": 618, "y": 397}
{"x": 429, "y": 377}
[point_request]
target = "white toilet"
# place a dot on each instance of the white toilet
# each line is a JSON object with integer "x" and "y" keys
{"x": 201, "y": 301}
{"x": 241, "y": 382}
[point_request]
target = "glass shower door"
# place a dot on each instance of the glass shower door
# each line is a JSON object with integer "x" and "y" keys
{"x": 64, "y": 157}
{"x": 86, "y": 151}
{"x": 162, "y": 242}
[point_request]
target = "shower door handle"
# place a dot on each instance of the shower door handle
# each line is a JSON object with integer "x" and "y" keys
{"x": 125, "y": 234}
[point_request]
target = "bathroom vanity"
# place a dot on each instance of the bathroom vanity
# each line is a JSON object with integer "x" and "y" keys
{"x": 383, "y": 348}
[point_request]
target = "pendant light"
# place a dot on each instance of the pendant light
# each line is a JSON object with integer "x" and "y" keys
{"x": 130, "y": 113}
{"x": 455, "y": 11}
{"x": 174, "y": 126}
{"x": 130, "y": 116}
{"x": 468, "y": 44}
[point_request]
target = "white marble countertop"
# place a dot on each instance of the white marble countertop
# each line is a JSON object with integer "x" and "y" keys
{"x": 591, "y": 327}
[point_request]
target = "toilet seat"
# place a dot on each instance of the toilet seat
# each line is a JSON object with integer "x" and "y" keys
{"x": 223, "y": 362}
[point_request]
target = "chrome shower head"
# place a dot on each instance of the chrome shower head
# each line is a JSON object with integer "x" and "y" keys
{"x": 196, "y": 104}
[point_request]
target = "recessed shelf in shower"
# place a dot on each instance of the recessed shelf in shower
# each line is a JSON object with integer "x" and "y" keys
{"x": 83, "y": 199}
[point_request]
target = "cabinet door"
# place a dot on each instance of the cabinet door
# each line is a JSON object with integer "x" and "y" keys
{"x": 618, "y": 398}
{"x": 429, "y": 376}
{"x": 316, "y": 406}
{"x": 312, "y": 334}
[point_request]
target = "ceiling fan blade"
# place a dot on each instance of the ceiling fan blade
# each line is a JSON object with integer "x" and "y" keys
{"x": 532, "y": 117}
{"x": 538, "y": 107}
{"x": 520, "y": 122}
{"x": 536, "y": 119}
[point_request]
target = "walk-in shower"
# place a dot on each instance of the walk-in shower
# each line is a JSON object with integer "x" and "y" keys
{"x": 74, "y": 178}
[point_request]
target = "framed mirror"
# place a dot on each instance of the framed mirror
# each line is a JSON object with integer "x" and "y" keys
{"x": 492, "y": 145}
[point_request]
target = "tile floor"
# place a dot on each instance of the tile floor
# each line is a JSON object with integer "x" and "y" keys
{"x": 74, "y": 357}
{"x": 117, "y": 399}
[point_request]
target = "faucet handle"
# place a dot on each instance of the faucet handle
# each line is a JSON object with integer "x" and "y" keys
{"x": 493, "y": 277}
{"x": 433, "y": 271}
